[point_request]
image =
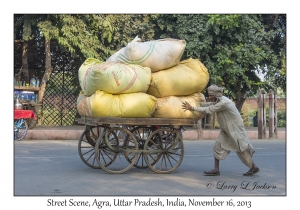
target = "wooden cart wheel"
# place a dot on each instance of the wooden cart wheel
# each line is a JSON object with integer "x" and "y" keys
{"x": 86, "y": 146}
{"x": 121, "y": 145}
{"x": 20, "y": 129}
{"x": 141, "y": 134}
{"x": 164, "y": 150}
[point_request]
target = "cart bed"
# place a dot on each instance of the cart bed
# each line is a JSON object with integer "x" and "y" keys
{"x": 135, "y": 121}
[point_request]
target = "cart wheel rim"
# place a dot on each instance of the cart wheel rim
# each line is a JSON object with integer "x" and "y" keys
{"x": 117, "y": 157}
{"x": 164, "y": 153}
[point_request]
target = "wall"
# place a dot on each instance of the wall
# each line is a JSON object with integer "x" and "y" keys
{"x": 252, "y": 102}
{"x": 250, "y": 107}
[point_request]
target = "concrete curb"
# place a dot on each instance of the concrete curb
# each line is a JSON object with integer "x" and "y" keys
{"x": 74, "y": 133}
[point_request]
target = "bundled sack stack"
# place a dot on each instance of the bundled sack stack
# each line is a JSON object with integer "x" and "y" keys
{"x": 114, "y": 89}
{"x": 172, "y": 81}
{"x": 143, "y": 79}
{"x": 156, "y": 54}
{"x": 183, "y": 82}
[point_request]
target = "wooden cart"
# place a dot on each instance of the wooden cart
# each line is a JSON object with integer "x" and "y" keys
{"x": 117, "y": 144}
{"x": 35, "y": 106}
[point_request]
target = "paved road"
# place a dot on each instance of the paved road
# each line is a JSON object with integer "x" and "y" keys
{"x": 54, "y": 168}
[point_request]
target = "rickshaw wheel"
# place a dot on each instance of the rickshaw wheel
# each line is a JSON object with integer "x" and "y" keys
{"x": 20, "y": 129}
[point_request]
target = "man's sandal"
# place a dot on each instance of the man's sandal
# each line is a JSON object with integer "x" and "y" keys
{"x": 250, "y": 172}
{"x": 212, "y": 173}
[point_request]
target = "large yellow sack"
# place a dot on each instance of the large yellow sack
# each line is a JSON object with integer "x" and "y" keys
{"x": 171, "y": 106}
{"x": 156, "y": 54}
{"x": 84, "y": 70}
{"x": 188, "y": 77}
{"x": 83, "y": 105}
{"x": 113, "y": 77}
{"x": 121, "y": 105}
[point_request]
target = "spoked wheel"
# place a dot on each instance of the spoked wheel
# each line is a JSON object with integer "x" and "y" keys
{"x": 86, "y": 146}
{"x": 20, "y": 129}
{"x": 121, "y": 146}
{"x": 165, "y": 150}
{"x": 141, "y": 134}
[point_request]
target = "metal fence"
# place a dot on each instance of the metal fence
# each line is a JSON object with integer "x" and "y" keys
{"x": 59, "y": 101}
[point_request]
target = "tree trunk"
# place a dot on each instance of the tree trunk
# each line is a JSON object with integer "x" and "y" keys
{"x": 48, "y": 70}
{"x": 240, "y": 99}
{"x": 25, "y": 62}
{"x": 18, "y": 75}
{"x": 239, "y": 103}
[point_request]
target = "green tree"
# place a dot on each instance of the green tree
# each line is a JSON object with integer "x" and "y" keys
{"x": 25, "y": 28}
{"x": 275, "y": 24}
{"x": 96, "y": 35}
{"x": 128, "y": 26}
{"x": 235, "y": 48}
{"x": 81, "y": 35}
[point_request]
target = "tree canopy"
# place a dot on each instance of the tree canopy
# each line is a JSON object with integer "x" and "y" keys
{"x": 236, "y": 48}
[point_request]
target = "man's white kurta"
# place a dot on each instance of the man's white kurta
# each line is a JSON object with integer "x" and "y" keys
{"x": 233, "y": 136}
